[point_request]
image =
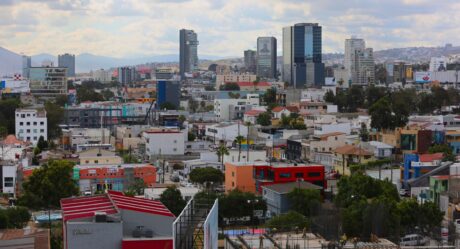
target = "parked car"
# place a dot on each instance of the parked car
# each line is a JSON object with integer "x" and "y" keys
{"x": 413, "y": 240}
{"x": 404, "y": 192}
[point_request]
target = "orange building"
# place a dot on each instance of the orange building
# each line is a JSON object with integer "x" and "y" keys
{"x": 239, "y": 176}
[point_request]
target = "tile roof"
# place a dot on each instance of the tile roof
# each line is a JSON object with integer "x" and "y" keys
{"x": 253, "y": 112}
{"x": 12, "y": 140}
{"x": 84, "y": 207}
{"x": 431, "y": 157}
{"x": 353, "y": 150}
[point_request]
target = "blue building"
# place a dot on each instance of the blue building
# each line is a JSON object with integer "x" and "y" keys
{"x": 168, "y": 91}
{"x": 276, "y": 195}
{"x": 302, "y": 55}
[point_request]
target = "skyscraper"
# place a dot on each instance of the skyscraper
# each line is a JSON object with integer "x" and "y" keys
{"x": 359, "y": 62}
{"x": 250, "y": 60}
{"x": 188, "y": 58}
{"x": 68, "y": 61}
{"x": 266, "y": 57}
{"x": 26, "y": 65}
{"x": 127, "y": 75}
{"x": 302, "y": 55}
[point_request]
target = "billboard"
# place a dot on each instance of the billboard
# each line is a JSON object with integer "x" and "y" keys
{"x": 422, "y": 77}
{"x": 211, "y": 228}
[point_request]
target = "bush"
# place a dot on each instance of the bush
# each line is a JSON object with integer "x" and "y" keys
{"x": 288, "y": 222}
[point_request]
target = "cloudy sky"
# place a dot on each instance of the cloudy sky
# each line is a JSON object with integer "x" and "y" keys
{"x": 131, "y": 28}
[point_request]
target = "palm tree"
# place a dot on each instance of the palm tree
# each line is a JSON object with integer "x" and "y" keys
{"x": 221, "y": 152}
{"x": 238, "y": 140}
{"x": 248, "y": 124}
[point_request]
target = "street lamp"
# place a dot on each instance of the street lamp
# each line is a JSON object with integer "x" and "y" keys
{"x": 253, "y": 202}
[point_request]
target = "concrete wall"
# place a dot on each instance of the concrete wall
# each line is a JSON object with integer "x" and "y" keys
{"x": 161, "y": 225}
{"x": 94, "y": 235}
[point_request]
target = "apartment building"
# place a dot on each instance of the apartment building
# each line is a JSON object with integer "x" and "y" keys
{"x": 31, "y": 124}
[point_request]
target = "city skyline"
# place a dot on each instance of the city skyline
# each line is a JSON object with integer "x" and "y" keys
{"x": 137, "y": 28}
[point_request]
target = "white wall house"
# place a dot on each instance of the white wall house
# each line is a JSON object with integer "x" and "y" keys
{"x": 229, "y": 109}
{"x": 328, "y": 128}
{"x": 9, "y": 174}
{"x": 164, "y": 141}
{"x": 225, "y": 131}
{"x": 30, "y": 125}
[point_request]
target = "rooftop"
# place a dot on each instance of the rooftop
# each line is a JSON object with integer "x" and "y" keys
{"x": 110, "y": 203}
{"x": 284, "y": 188}
{"x": 253, "y": 112}
{"x": 353, "y": 150}
{"x": 33, "y": 238}
{"x": 431, "y": 157}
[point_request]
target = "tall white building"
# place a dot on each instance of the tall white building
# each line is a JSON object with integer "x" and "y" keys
{"x": 438, "y": 64}
{"x": 230, "y": 109}
{"x": 30, "y": 125}
{"x": 359, "y": 62}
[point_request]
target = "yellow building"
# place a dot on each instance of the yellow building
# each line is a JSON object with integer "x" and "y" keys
{"x": 350, "y": 154}
{"x": 99, "y": 157}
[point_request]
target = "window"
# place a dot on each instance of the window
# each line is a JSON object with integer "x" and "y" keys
{"x": 27, "y": 123}
{"x": 42, "y": 123}
{"x": 21, "y": 123}
{"x": 233, "y": 184}
{"x": 9, "y": 181}
{"x": 96, "y": 161}
{"x": 175, "y": 149}
{"x": 35, "y": 123}
{"x": 233, "y": 173}
{"x": 87, "y": 161}
{"x": 35, "y": 138}
{"x": 28, "y": 114}
{"x": 314, "y": 174}
{"x": 42, "y": 130}
{"x": 285, "y": 175}
{"x": 35, "y": 130}
{"x": 28, "y": 130}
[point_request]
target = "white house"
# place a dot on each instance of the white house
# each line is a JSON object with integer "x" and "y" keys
{"x": 30, "y": 124}
{"x": 328, "y": 128}
{"x": 229, "y": 109}
{"x": 225, "y": 131}
{"x": 251, "y": 116}
{"x": 9, "y": 175}
{"x": 162, "y": 141}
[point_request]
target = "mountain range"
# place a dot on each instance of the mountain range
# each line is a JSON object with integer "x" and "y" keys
{"x": 11, "y": 62}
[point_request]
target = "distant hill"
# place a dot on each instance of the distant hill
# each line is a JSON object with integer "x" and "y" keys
{"x": 11, "y": 62}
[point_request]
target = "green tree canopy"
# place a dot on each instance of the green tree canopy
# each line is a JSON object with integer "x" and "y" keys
{"x": 7, "y": 113}
{"x": 85, "y": 93}
{"x": 14, "y": 217}
{"x": 230, "y": 87}
{"x": 445, "y": 149}
{"x": 208, "y": 174}
{"x": 264, "y": 119}
{"x": 172, "y": 199}
{"x": 237, "y": 204}
{"x": 329, "y": 97}
{"x": 42, "y": 144}
{"x": 48, "y": 185}
{"x": 288, "y": 222}
{"x": 304, "y": 200}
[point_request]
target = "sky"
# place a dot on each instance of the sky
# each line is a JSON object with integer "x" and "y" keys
{"x": 133, "y": 28}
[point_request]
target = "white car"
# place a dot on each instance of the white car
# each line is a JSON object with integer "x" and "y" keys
{"x": 413, "y": 240}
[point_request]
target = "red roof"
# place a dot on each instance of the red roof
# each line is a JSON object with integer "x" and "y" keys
{"x": 83, "y": 207}
{"x": 253, "y": 112}
{"x": 253, "y": 84}
{"x": 278, "y": 109}
{"x": 12, "y": 140}
{"x": 431, "y": 157}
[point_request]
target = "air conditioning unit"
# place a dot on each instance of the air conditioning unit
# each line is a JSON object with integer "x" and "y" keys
{"x": 148, "y": 233}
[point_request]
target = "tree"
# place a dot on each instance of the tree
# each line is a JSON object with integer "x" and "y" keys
{"x": 329, "y": 97}
{"x": 193, "y": 105}
{"x": 130, "y": 158}
{"x": 238, "y": 140}
{"x": 373, "y": 94}
{"x": 304, "y": 200}
{"x": 172, "y": 199}
{"x": 426, "y": 216}
{"x": 381, "y": 115}
{"x": 3, "y": 132}
{"x": 85, "y": 93}
{"x": 230, "y": 87}
{"x": 42, "y": 144}
{"x": 222, "y": 150}
{"x": 288, "y": 222}
{"x": 237, "y": 204}
{"x": 55, "y": 115}
{"x": 445, "y": 149}
{"x": 264, "y": 119}
{"x": 7, "y": 113}
{"x": 191, "y": 136}
{"x": 209, "y": 88}
{"x": 364, "y": 133}
{"x": 17, "y": 217}
{"x": 208, "y": 174}
{"x": 355, "y": 98}
{"x": 137, "y": 187}
{"x": 270, "y": 96}
{"x": 48, "y": 185}
{"x": 107, "y": 94}
{"x": 61, "y": 100}
{"x": 167, "y": 106}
